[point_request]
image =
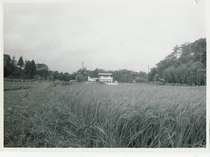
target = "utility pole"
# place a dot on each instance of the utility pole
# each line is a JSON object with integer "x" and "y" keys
{"x": 83, "y": 67}
{"x": 148, "y": 73}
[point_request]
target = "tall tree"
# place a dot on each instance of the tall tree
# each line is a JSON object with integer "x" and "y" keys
{"x": 7, "y": 65}
{"x": 33, "y": 68}
{"x": 20, "y": 62}
{"x": 30, "y": 69}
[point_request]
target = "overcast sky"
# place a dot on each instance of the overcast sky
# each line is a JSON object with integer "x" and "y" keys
{"x": 108, "y": 34}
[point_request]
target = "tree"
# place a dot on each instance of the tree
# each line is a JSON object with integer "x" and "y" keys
{"x": 33, "y": 68}
{"x": 80, "y": 77}
{"x": 170, "y": 74}
{"x": 186, "y": 64}
{"x": 196, "y": 74}
{"x": 42, "y": 71}
{"x": 152, "y": 74}
{"x": 10, "y": 68}
{"x": 13, "y": 64}
{"x": 20, "y": 62}
{"x": 30, "y": 69}
{"x": 7, "y": 65}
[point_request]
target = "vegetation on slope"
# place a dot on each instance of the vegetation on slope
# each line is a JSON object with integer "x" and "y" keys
{"x": 185, "y": 65}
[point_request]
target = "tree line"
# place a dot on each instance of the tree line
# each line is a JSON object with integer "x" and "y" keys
{"x": 20, "y": 68}
{"x": 28, "y": 69}
{"x": 185, "y": 65}
{"x": 118, "y": 75}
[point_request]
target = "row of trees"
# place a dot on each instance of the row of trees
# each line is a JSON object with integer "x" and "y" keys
{"x": 18, "y": 69}
{"x": 186, "y": 65}
{"x": 28, "y": 70}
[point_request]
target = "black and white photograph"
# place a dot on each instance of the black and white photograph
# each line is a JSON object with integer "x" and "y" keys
{"x": 105, "y": 74}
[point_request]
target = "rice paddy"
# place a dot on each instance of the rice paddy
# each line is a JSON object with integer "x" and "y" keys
{"x": 41, "y": 114}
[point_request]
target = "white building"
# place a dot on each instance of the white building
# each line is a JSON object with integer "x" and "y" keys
{"x": 105, "y": 77}
{"x": 92, "y": 79}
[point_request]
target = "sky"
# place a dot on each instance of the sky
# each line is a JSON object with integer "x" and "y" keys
{"x": 105, "y": 34}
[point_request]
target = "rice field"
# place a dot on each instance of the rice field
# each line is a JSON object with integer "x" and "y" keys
{"x": 97, "y": 115}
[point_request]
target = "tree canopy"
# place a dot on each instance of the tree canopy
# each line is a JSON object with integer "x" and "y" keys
{"x": 186, "y": 64}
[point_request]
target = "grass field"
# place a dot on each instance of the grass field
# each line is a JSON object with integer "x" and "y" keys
{"x": 96, "y": 115}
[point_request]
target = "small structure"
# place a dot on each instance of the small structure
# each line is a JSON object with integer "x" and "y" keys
{"x": 105, "y": 78}
{"x": 92, "y": 79}
{"x": 41, "y": 67}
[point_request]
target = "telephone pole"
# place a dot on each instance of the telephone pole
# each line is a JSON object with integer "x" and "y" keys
{"x": 83, "y": 67}
{"x": 148, "y": 69}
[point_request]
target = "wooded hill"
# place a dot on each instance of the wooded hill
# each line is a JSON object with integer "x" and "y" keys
{"x": 185, "y": 65}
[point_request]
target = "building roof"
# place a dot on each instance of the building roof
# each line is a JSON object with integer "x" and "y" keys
{"x": 104, "y": 74}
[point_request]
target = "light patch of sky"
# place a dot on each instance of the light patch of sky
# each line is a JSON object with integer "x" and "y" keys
{"x": 112, "y": 35}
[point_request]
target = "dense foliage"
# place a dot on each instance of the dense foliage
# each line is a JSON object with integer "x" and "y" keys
{"x": 29, "y": 70}
{"x": 20, "y": 69}
{"x": 185, "y": 65}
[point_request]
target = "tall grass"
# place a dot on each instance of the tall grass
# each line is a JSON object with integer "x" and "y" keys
{"x": 95, "y": 115}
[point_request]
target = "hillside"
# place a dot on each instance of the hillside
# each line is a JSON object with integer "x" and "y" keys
{"x": 186, "y": 65}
